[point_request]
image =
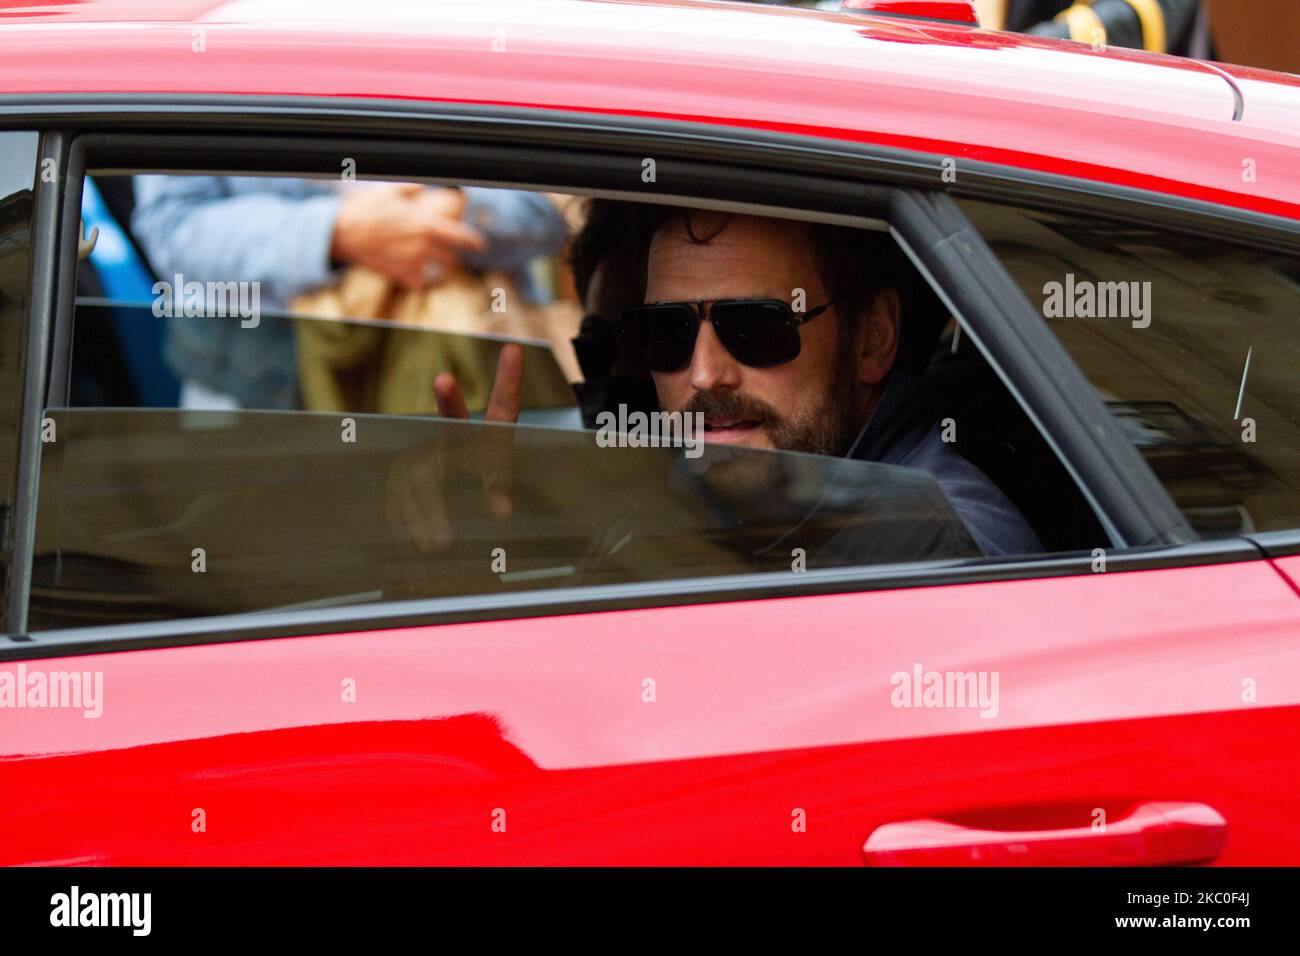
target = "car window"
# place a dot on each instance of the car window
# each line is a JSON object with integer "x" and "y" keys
{"x": 251, "y": 425}
{"x": 1193, "y": 344}
{"x": 18, "y": 152}
{"x": 160, "y": 514}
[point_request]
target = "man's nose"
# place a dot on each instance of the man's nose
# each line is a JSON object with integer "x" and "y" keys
{"x": 712, "y": 366}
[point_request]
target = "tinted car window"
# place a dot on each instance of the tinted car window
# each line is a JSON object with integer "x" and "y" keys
{"x": 1194, "y": 345}
{"x": 158, "y": 514}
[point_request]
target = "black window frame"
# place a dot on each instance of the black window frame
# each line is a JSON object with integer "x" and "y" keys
{"x": 17, "y": 525}
{"x": 566, "y": 151}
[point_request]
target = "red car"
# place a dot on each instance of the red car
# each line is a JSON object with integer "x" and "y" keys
{"x": 215, "y": 654}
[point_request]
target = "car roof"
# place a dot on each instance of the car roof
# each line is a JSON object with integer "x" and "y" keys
{"x": 1124, "y": 117}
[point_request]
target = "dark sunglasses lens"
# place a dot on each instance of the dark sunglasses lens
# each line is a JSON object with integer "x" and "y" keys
{"x": 659, "y": 337}
{"x": 759, "y": 334}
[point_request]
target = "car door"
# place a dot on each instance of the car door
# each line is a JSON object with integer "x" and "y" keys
{"x": 1131, "y": 704}
{"x": 753, "y": 732}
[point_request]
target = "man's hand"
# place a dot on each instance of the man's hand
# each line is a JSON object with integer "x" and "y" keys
{"x": 400, "y": 229}
{"x": 492, "y": 457}
{"x": 415, "y": 482}
{"x": 503, "y": 404}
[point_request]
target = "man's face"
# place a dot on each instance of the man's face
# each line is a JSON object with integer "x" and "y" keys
{"x": 812, "y": 403}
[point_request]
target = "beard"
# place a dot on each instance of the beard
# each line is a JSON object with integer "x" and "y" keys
{"x": 826, "y": 424}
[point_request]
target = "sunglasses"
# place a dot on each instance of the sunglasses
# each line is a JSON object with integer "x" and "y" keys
{"x": 760, "y": 333}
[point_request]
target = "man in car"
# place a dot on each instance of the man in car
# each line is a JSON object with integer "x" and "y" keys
{"x": 783, "y": 335}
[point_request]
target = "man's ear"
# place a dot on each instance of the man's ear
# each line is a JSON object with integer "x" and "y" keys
{"x": 880, "y": 337}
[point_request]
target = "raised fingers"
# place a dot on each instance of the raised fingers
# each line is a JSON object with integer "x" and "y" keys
{"x": 503, "y": 405}
{"x": 451, "y": 403}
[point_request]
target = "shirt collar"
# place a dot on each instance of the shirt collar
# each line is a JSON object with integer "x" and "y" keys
{"x": 895, "y": 425}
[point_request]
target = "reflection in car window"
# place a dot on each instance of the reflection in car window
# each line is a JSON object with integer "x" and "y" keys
{"x": 1193, "y": 344}
{"x": 164, "y": 514}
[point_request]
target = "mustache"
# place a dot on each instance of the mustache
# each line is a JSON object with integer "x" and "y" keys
{"x": 731, "y": 405}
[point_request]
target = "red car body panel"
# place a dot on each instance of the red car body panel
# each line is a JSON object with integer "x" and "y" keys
{"x": 1122, "y": 117}
{"x": 1115, "y": 688}
{"x": 1290, "y": 569}
{"x": 954, "y": 11}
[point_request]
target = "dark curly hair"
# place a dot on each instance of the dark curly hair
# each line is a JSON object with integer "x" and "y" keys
{"x": 853, "y": 264}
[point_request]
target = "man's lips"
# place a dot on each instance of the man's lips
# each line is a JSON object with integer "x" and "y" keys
{"x": 730, "y": 429}
{"x": 723, "y": 424}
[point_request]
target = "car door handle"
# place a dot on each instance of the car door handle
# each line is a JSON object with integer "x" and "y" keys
{"x": 1150, "y": 834}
